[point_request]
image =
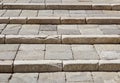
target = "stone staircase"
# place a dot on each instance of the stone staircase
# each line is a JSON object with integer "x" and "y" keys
{"x": 59, "y": 41}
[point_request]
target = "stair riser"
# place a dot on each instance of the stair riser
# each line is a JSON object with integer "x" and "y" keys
{"x": 60, "y": 6}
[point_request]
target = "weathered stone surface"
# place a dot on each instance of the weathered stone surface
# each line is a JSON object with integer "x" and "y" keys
{"x": 29, "y": 30}
{"x": 18, "y": 20}
{"x": 24, "y": 5}
{"x": 28, "y": 13}
{"x": 58, "y": 52}
{"x": 37, "y": 66}
{"x": 98, "y": 6}
{"x": 11, "y": 29}
{"x": 48, "y": 28}
{"x": 24, "y": 78}
{"x": 80, "y": 65}
{"x": 103, "y": 20}
{"x": 90, "y": 39}
{"x": 52, "y": 77}
{"x": 109, "y": 65}
{"x": 4, "y": 78}
{"x": 9, "y": 13}
{"x": 32, "y": 39}
{"x": 105, "y": 77}
{"x": 72, "y": 20}
{"x": 6, "y": 66}
{"x": 31, "y": 52}
{"x": 84, "y": 52}
{"x": 43, "y": 20}
{"x": 80, "y": 77}
{"x": 4, "y": 20}
{"x": 2, "y": 37}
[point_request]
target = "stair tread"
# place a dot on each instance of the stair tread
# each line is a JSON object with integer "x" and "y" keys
{"x": 64, "y": 77}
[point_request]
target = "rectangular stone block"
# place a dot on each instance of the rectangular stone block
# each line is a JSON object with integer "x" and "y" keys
{"x": 90, "y": 39}
{"x": 24, "y": 78}
{"x": 103, "y": 20}
{"x": 1, "y": 5}
{"x": 6, "y": 66}
{"x": 23, "y": 6}
{"x": 116, "y": 6}
{"x": 43, "y": 20}
{"x": 80, "y": 65}
{"x": 4, "y": 78}
{"x": 109, "y": 65}
{"x": 2, "y": 38}
{"x": 18, "y": 20}
{"x": 101, "y": 6}
{"x": 52, "y": 77}
{"x": 37, "y": 66}
{"x": 73, "y": 20}
{"x": 53, "y": 6}
{"x": 4, "y": 19}
{"x": 33, "y": 39}
{"x": 75, "y": 6}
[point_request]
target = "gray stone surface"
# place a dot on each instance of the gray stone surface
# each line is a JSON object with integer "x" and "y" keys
{"x": 4, "y": 78}
{"x": 58, "y": 77}
{"x": 55, "y": 52}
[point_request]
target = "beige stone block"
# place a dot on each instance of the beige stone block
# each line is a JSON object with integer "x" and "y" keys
{"x": 18, "y": 20}
{"x": 109, "y": 65}
{"x": 23, "y": 6}
{"x": 103, "y": 20}
{"x": 24, "y": 78}
{"x": 52, "y": 77}
{"x": 33, "y": 39}
{"x": 37, "y": 66}
{"x": 85, "y": 6}
{"x": 43, "y": 20}
{"x": 116, "y": 6}
{"x": 6, "y": 66}
{"x": 79, "y": 77}
{"x": 101, "y": 6}
{"x": 90, "y": 39}
{"x": 80, "y": 65}
{"x": 2, "y": 38}
{"x": 4, "y": 20}
{"x": 72, "y": 20}
{"x": 4, "y": 78}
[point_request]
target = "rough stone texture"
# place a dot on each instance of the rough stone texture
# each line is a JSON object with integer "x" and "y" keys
{"x": 103, "y": 6}
{"x": 9, "y": 13}
{"x": 4, "y": 78}
{"x": 32, "y": 39}
{"x": 29, "y": 30}
{"x": 109, "y": 65}
{"x": 4, "y": 20}
{"x": 103, "y": 20}
{"x": 84, "y": 52}
{"x": 24, "y": 5}
{"x": 79, "y": 77}
{"x": 6, "y": 66}
{"x": 37, "y": 66}
{"x": 18, "y": 20}
{"x": 52, "y": 77}
{"x": 28, "y": 13}
{"x": 72, "y": 20}
{"x": 92, "y": 39}
{"x": 108, "y": 52}
{"x": 11, "y": 29}
{"x": 24, "y": 78}
{"x": 31, "y": 52}
{"x": 43, "y": 20}
{"x": 58, "y": 52}
{"x": 105, "y": 77}
{"x": 2, "y": 37}
{"x": 8, "y": 52}
{"x": 48, "y": 28}
{"x": 80, "y": 65}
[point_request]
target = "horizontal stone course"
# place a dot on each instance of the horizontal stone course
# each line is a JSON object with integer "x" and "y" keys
{"x": 73, "y": 6}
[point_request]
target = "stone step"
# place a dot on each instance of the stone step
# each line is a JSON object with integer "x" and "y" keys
{"x": 64, "y": 77}
{"x": 61, "y": 6}
{"x": 60, "y": 17}
{"x": 59, "y": 34}
{"x": 56, "y": 57}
